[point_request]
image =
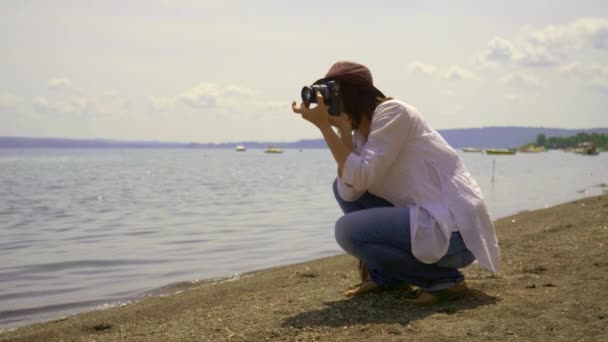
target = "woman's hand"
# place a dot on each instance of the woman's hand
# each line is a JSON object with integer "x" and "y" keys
{"x": 317, "y": 115}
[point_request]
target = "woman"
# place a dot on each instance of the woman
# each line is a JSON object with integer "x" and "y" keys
{"x": 413, "y": 213}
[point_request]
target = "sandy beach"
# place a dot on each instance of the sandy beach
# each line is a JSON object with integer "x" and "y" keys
{"x": 552, "y": 287}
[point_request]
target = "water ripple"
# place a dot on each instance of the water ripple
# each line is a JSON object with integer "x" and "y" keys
{"x": 91, "y": 263}
{"x": 108, "y": 224}
{"x": 39, "y": 293}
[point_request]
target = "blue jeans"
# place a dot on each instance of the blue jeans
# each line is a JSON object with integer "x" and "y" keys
{"x": 377, "y": 233}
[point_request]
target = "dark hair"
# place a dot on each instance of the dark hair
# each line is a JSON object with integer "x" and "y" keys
{"x": 359, "y": 102}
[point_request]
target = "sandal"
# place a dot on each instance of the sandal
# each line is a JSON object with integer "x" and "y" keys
{"x": 433, "y": 297}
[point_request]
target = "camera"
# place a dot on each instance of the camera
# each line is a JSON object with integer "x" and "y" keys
{"x": 330, "y": 90}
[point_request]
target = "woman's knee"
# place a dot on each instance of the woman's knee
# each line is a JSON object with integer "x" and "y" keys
{"x": 459, "y": 260}
{"x": 344, "y": 233}
{"x": 335, "y": 189}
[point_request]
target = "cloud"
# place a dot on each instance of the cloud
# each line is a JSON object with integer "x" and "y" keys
{"x": 503, "y": 52}
{"x": 447, "y": 92}
{"x": 547, "y": 47}
{"x": 585, "y": 32}
{"x": 211, "y": 95}
{"x": 600, "y": 84}
{"x": 584, "y": 70}
{"x": 41, "y": 104}
{"x": 59, "y": 83}
{"x": 9, "y": 101}
{"x": 512, "y": 98}
{"x": 499, "y": 50}
{"x": 236, "y": 91}
{"x": 519, "y": 80}
{"x": 74, "y": 105}
{"x": 453, "y": 73}
{"x": 537, "y": 58}
{"x": 204, "y": 95}
{"x": 276, "y": 107}
{"x": 68, "y": 104}
{"x": 456, "y": 108}
{"x": 422, "y": 68}
{"x": 161, "y": 103}
{"x": 108, "y": 103}
{"x": 109, "y": 95}
{"x": 594, "y": 75}
{"x": 571, "y": 69}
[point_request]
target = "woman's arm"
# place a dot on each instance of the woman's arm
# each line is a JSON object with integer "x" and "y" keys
{"x": 389, "y": 130}
{"x": 345, "y": 131}
{"x": 337, "y": 146}
{"x": 319, "y": 116}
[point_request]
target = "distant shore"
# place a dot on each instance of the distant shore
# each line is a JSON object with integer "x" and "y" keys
{"x": 495, "y": 137}
{"x": 551, "y": 287}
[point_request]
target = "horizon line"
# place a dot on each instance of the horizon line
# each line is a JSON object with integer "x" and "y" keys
{"x": 127, "y": 140}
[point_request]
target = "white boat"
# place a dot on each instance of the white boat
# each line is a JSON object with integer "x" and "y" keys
{"x": 240, "y": 148}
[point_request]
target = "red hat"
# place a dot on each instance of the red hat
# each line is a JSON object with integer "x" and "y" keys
{"x": 351, "y": 73}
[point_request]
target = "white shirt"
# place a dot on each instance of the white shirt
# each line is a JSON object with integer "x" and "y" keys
{"x": 408, "y": 163}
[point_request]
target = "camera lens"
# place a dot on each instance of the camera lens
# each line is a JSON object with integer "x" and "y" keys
{"x": 308, "y": 94}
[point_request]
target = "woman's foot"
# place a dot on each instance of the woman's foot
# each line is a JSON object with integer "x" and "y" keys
{"x": 367, "y": 286}
{"x": 434, "y": 297}
{"x": 371, "y": 286}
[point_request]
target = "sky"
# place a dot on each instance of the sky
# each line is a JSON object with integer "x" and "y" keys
{"x": 223, "y": 71}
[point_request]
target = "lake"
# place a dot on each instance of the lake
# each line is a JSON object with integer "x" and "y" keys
{"x": 89, "y": 228}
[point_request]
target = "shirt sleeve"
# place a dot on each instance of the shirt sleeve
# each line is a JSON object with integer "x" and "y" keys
{"x": 390, "y": 129}
{"x": 347, "y": 192}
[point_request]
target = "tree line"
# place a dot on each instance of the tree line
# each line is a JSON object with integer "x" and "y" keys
{"x": 600, "y": 140}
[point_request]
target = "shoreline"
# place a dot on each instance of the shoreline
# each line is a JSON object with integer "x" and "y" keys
{"x": 171, "y": 288}
{"x": 51, "y": 285}
{"x": 548, "y": 256}
{"x": 589, "y": 191}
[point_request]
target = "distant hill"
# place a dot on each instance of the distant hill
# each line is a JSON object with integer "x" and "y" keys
{"x": 304, "y": 144}
{"x": 22, "y": 142}
{"x": 506, "y": 137}
{"x": 496, "y": 137}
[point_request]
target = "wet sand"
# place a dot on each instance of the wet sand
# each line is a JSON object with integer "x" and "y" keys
{"x": 553, "y": 286}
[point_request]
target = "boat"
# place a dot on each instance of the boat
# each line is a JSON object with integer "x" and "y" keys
{"x": 532, "y": 149}
{"x": 472, "y": 149}
{"x": 500, "y": 151}
{"x": 273, "y": 149}
{"x": 240, "y": 148}
{"x": 587, "y": 148}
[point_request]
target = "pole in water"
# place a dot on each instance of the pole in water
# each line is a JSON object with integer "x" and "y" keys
{"x": 493, "y": 169}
